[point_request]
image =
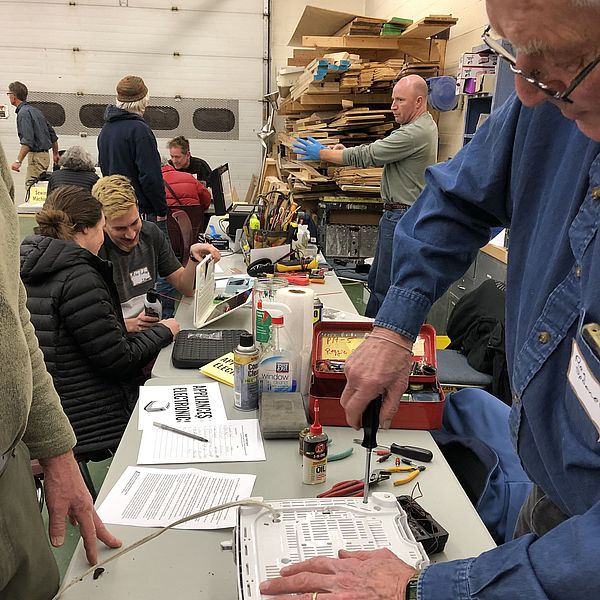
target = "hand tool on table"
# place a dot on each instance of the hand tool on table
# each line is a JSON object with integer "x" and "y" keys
{"x": 412, "y": 473}
{"x": 354, "y": 487}
{"x": 370, "y": 423}
{"x": 300, "y": 264}
{"x": 339, "y": 455}
{"x": 414, "y": 452}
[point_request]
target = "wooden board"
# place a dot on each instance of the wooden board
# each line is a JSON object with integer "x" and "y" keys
{"x": 417, "y": 48}
{"x": 429, "y": 26}
{"x": 319, "y": 21}
{"x": 336, "y": 99}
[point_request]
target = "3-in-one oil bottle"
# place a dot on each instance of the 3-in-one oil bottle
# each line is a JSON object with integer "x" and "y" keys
{"x": 314, "y": 452}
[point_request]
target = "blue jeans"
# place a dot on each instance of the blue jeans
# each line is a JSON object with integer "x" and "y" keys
{"x": 162, "y": 225}
{"x": 380, "y": 272}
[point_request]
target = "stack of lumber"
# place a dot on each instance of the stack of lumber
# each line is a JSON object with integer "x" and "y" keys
{"x": 321, "y": 76}
{"x": 349, "y": 127}
{"x": 395, "y": 26}
{"x": 351, "y": 179}
{"x": 305, "y": 182}
{"x": 362, "y": 26}
{"x": 429, "y": 26}
{"x": 423, "y": 68}
{"x": 377, "y": 75}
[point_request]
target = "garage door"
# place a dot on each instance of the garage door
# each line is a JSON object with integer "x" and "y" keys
{"x": 202, "y": 61}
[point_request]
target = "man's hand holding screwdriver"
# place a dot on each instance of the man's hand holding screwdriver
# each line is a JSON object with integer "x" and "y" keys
{"x": 379, "y": 366}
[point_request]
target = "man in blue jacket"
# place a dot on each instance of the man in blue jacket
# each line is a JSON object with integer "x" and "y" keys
{"x": 127, "y": 146}
{"x": 534, "y": 166}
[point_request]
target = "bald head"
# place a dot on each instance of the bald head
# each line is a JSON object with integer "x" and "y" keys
{"x": 409, "y": 99}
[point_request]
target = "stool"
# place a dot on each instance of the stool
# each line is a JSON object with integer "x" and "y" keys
{"x": 455, "y": 373}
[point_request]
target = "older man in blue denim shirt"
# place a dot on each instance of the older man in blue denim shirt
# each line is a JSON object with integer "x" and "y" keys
{"x": 534, "y": 166}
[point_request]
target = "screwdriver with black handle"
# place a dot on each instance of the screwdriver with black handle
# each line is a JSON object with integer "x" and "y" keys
{"x": 370, "y": 423}
{"x": 413, "y": 452}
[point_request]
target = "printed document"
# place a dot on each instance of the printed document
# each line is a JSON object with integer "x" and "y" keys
{"x": 175, "y": 405}
{"x": 230, "y": 441}
{"x": 146, "y": 497}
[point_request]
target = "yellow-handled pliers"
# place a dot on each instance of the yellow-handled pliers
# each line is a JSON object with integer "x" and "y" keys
{"x": 412, "y": 473}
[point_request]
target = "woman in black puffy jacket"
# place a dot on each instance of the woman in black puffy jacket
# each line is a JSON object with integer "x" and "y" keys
{"x": 95, "y": 364}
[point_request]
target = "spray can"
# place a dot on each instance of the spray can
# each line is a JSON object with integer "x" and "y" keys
{"x": 152, "y": 304}
{"x": 314, "y": 452}
{"x": 245, "y": 374}
{"x": 317, "y": 310}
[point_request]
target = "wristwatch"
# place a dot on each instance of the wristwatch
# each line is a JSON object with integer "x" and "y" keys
{"x": 193, "y": 258}
{"x": 411, "y": 587}
{"x": 20, "y": 162}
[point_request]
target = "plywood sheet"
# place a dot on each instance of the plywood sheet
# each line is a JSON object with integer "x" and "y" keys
{"x": 319, "y": 21}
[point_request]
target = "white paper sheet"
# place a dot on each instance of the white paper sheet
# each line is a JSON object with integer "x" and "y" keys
{"x": 231, "y": 441}
{"x": 178, "y": 405}
{"x": 146, "y": 497}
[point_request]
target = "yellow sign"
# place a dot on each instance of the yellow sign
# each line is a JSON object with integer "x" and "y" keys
{"x": 38, "y": 193}
{"x": 339, "y": 346}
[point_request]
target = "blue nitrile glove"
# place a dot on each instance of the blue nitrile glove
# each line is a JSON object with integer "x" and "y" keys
{"x": 308, "y": 149}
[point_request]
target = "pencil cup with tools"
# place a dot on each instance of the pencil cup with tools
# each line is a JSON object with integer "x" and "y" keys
{"x": 272, "y": 224}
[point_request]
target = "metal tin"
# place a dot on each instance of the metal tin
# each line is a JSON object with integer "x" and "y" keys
{"x": 317, "y": 310}
{"x": 245, "y": 377}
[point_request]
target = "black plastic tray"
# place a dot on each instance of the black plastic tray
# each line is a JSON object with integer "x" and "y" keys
{"x": 195, "y": 348}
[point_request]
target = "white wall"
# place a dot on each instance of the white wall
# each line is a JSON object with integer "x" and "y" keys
{"x": 220, "y": 47}
{"x": 464, "y": 35}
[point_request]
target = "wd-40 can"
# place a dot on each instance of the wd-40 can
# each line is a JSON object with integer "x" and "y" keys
{"x": 317, "y": 310}
{"x": 245, "y": 374}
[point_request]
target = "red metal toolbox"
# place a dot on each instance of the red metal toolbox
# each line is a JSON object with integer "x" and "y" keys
{"x": 333, "y": 342}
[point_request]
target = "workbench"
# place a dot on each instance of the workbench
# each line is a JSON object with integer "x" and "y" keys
{"x": 190, "y": 564}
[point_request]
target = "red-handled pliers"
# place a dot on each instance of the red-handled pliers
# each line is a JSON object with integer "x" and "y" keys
{"x": 353, "y": 487}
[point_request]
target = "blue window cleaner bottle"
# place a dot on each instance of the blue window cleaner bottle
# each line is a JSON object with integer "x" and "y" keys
{"x": 277, "y": 367}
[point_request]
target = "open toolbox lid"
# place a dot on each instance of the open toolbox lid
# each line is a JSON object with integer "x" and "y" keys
{"x": 334, "y": 341}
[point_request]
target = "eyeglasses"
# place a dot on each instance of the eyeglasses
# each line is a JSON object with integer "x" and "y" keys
{"x": 501, "y": 51}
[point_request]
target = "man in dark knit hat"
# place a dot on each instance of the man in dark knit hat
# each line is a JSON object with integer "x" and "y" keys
{"x": 127, "y": 146}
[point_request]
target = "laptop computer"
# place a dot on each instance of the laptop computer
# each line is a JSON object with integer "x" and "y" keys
{"x": 206, "y": 311}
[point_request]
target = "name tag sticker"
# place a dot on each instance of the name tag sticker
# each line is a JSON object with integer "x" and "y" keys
{"x": 140, "y": 276}
{"x": 585, "y": 385}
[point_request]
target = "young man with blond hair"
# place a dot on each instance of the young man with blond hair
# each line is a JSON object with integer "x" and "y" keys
{"x": 140, "y": 252}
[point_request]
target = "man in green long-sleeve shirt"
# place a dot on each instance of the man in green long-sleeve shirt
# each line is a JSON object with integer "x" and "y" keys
{"x": 32, "y": 423}
{"x": 404, "y": 156}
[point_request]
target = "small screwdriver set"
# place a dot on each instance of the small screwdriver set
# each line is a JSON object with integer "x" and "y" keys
{"x": 422, "y": 404}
